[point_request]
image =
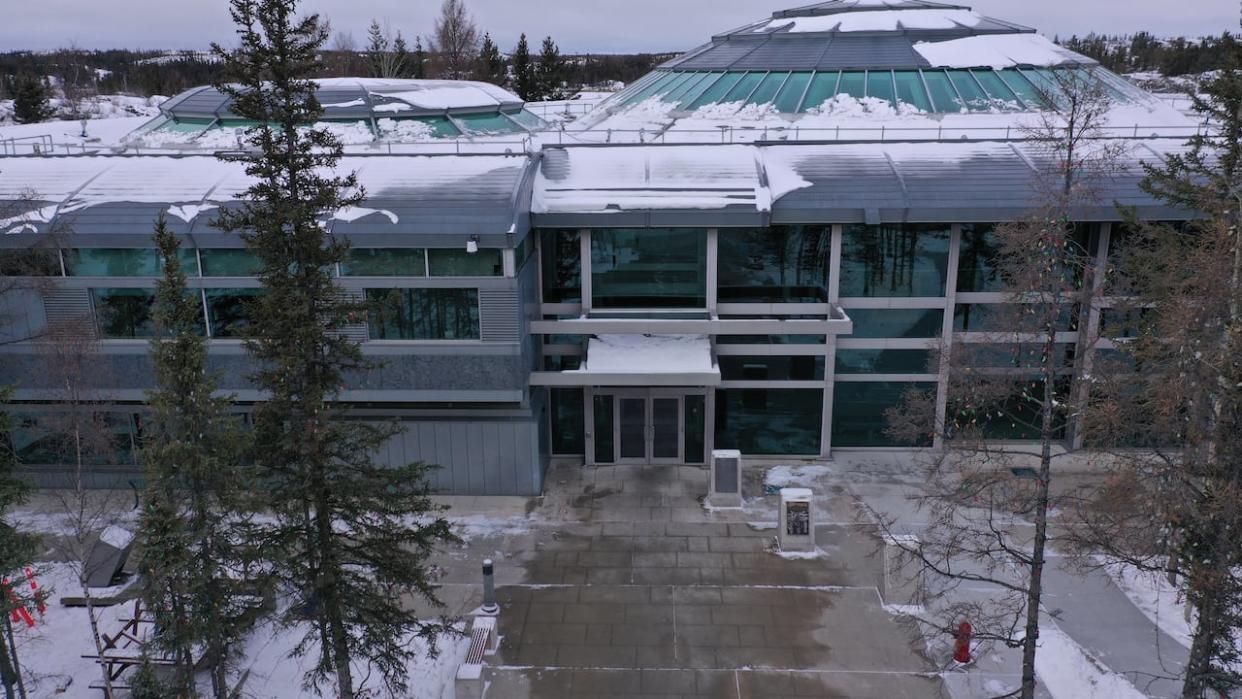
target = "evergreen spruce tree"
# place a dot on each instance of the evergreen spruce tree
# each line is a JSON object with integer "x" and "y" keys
{"x": 377, "y": 49}
{"x": 17, "y": 549}
{"x": 525, "y": 79}
{"x": 492, "y": 67}
{"x": 30, "y": 101}
{"x": 348, "y": 537}
{"x": 189, "y": 531}
{"x": 400, "y": 57}
{"x": 418, "y": 67}
{"x": 551, "y": 71}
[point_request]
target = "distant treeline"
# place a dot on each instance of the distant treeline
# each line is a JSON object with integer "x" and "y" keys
{"x": 147, "y": 73}
{"x": 1143, "y": 52}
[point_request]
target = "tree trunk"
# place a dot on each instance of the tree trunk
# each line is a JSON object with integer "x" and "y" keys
{"x": 7, "y": 672}
{"x": 99, "y": 648}
{"x": 1199, "y": 665}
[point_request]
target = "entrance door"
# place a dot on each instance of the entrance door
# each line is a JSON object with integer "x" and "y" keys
{"x": 649, "y": 427}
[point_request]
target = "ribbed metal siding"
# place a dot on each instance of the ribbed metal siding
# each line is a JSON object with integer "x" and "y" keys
{"x": 474, "y": 457}
{"x": 357, "y": 332}
{"x": 500, "y": 315}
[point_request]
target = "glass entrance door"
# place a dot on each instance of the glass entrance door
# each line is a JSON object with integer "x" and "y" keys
{"x": 648, "y": 426}
{"x": 632, "y": 429}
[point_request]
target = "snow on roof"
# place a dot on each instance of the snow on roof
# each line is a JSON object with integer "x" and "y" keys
{"x": 875, "y": 21}
{"x": 601, "y": 180}
{"x": 424, "y": 94}
{"x": 648, "y": 354}
{"x": 995, "y": 50}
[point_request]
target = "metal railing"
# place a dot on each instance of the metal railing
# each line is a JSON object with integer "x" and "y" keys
{"x": 42, "y": 144}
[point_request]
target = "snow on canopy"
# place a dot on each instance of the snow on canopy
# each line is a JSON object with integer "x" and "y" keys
{"x": 648, "y": 354}
{"x": 996, "y": 51}
{"x": 876, "y": 21}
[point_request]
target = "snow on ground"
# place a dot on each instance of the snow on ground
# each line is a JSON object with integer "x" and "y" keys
{"x": 804, "y": 476}
{"x": 1067, "y": 671}
{"x": 274, "y": 675}
{"x": 101, "y": 107}
{"x": 1159, "y": 601}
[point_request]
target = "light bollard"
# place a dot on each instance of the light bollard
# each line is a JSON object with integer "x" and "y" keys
{"x": 489, "y": 589}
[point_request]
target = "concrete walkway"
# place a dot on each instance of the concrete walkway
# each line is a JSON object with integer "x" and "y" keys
{"x": 619, "y": 583}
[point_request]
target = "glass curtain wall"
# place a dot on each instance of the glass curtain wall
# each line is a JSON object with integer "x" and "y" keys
{"x": 649, "y": 268}
{"x": 424, "y": 314}
{"x": 894, "y": 260}
{"x": 782, "y": 264}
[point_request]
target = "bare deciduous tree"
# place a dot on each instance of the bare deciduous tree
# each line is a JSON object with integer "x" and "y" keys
{"x": 1012, "y": 375}
{"x": 455, "y": 44}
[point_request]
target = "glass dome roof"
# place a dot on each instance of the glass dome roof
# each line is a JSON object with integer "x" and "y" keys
{"x": 885, "y": 57}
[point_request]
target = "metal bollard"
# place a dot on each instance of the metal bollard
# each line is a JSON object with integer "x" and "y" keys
{"x": 489, "y": 590}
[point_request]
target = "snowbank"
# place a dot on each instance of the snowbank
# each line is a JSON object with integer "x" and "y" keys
{"x": 1068, "y": 672}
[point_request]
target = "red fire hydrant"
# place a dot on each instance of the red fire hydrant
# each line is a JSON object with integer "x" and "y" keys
{"x": 961, "y": 649}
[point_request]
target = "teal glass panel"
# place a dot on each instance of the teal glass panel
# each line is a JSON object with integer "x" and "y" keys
{"x": 562, "y": 266}
{"x": 1027, "y": 90}
{"x": 441, "y": 127}
{"x": 650, "y": 89}
{"x": 977, "y": 262}
{"x": 880, "y": 361}
{"x": 769, "y": 421}
{"x": 40, "y": 439}
{"x": 222, "y": 262}
{"x": 781, "y": 264}
{"x": 186, "y": 125}
{"x": 995, "y": 87}
{"x": 692, "y": 86}
{"x": 695, "y": 429}
{"x": 970, "y": 91}
{"x": 487, "y": 124}
{"x": 670, "y": 87}
{"x": 895, "y": 260}
{"x": 766, "y": 92}
{"x": 605, "y": 444}
{"x": 942, "y": 92}
{"x": 527, "y": 119}
{"x": 455, "y": 262}
{"x": 771, "y": 368}
{"x": 859, "y": 413}
{"x": 1004, "y": 317}
{"x": 910, "y": 89}
{"x": 649, "y": 268}
{"x": 28, "y": 262}
{"x": 823, "y": 87}
{"x": 714, "y": 93}
{"x": 188, "y": 257}
{"x": 771, "y": 339}
{"x": 124, "y": 313}
{"x": 791, "y": 93}
{"x": 424, "y": 314}
{"x": 907, "y": 323}
{"x": 385, "y": 262}
{"x": 880, "y": 86}
{"x": 112, "y": 262}
{"x": 228, "y": 311}
{"x": 853, "y": 83}
{"x": 744, "y": 87}
{"x": 568, "y": 414}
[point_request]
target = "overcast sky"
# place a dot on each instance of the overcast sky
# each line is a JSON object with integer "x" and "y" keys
{"x": 579, "y": 26}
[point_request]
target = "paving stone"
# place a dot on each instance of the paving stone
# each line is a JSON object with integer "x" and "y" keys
{"x": 609, "y": 576}
{"x": 546, "y": 612}
{"x": 601, "y": 613}
{"x": 712, "y": 635}
{"x": 668, "y": 681}
{"x": 596, "y": 656}
{"x": 655, "y": 560}
{"x": 616, "y": 594}
{"x": 745, "y": 544}
{"x": 553, "y": 634}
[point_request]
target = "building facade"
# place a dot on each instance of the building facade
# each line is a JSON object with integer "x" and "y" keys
{"x": 761, "y": 246}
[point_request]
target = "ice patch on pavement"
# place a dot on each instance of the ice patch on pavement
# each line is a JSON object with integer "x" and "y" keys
{"x": 795, "y": 476}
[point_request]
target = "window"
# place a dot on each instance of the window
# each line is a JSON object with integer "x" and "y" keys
{"x": 896, "y": 322}
{"x": 910, "y": 90}
{"x": 454, "y": 262}
{"x": 744, "y": 87}
{"x": 229, "y": 262}
{"x": 783, "y": 264}
{"x": 568, "y": 414}
{"x": 976, "y": 270}
{"x": 769, "y": 421}
{"x": 562, "y": 266}
{"x": 854, "y": 84}
{"x": 1008, "y": 317}
{"x": 41, "y": 438}
{"x": 228, "y": 311}
{"x": 894, "y": 260}
{"x": 424, "y": 314}
{"x": 880, "y": 361}
{"x": 791, "y": 93}
{"x": 695, "y": 418}
{"x": 858, "y": 413}
{"x": 649, "y": 268}
{"x": 971, "y": 93}
{"x": 713, "y": 94}
{"x": 880, "y": 86}
{"x": 484, "y": 124}
{"x": 1017, "y": 416}
{"x": 822, "y": 88}
{"x": 112, "y": 262}
{"x": 124, "y": 313}
{"x": 800, "y": 368}
{"x": 767, "y": 89}
{"x": 942, "y": 92}
{"x": 385, "y": 262}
